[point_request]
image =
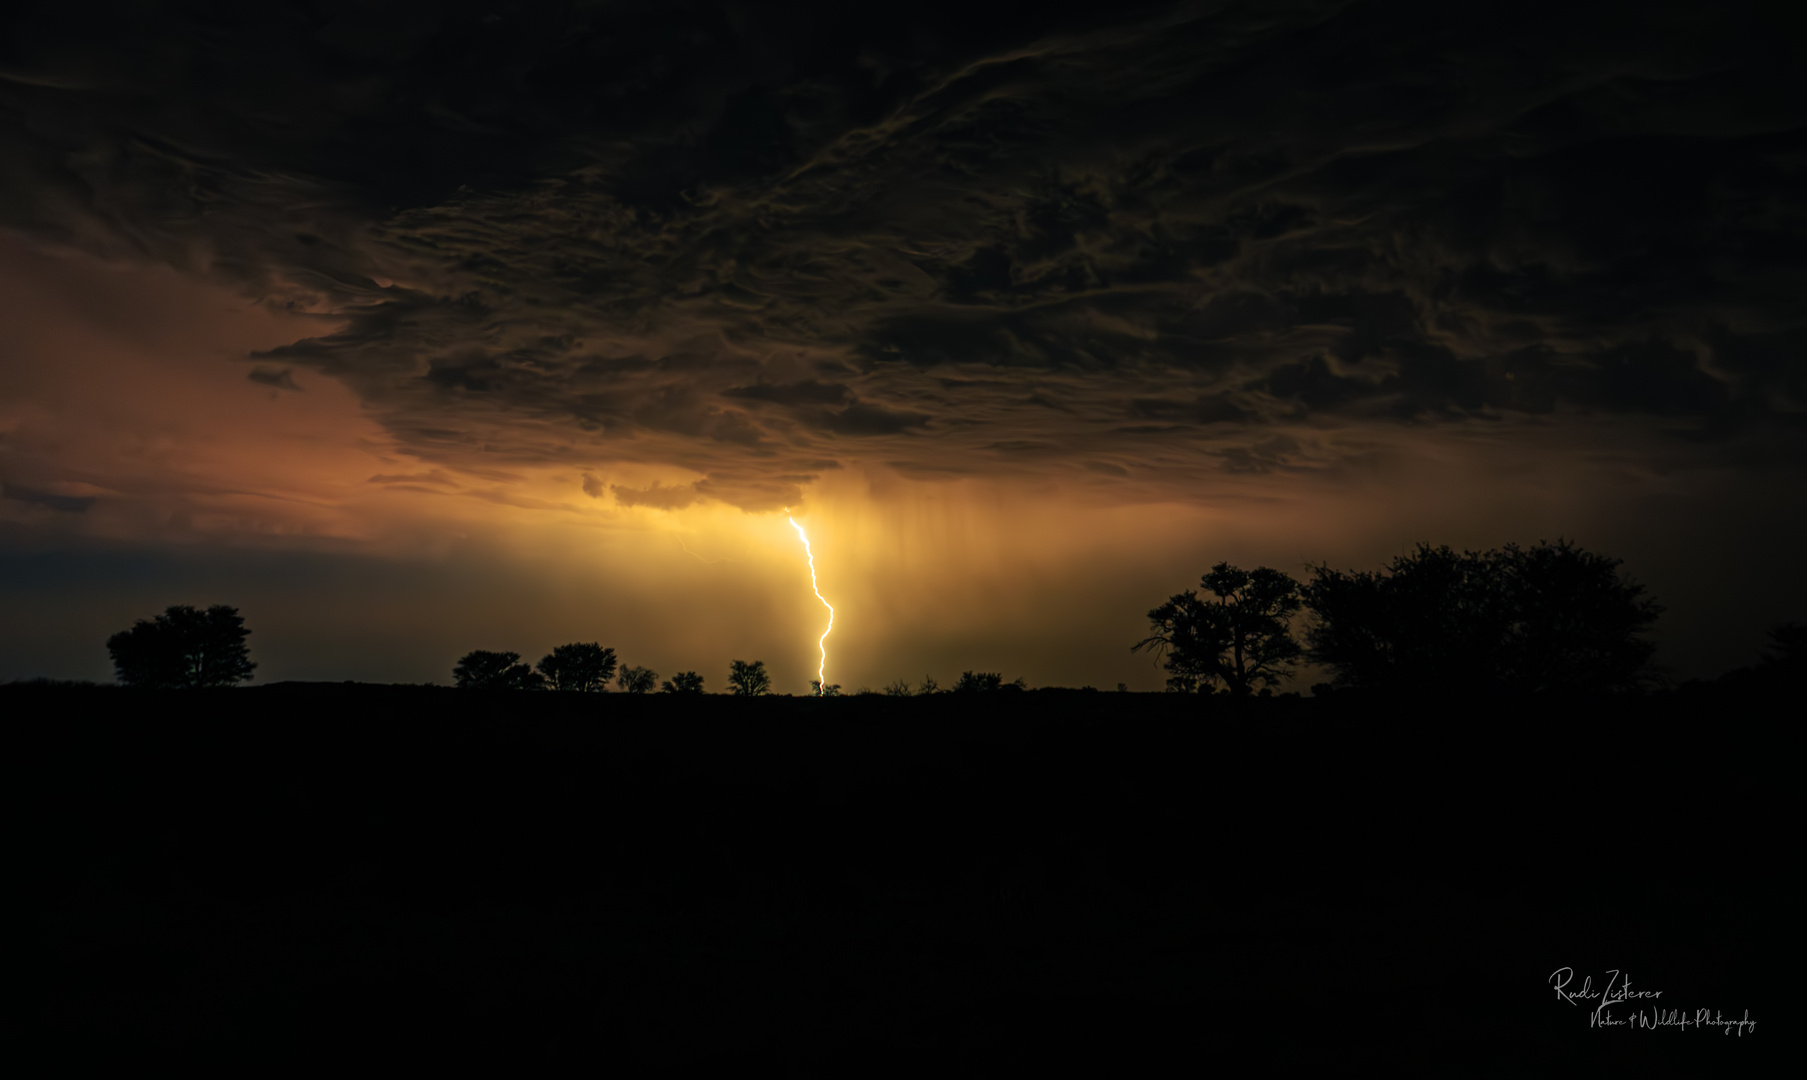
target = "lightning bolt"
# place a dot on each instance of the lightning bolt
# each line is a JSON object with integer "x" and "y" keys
{"x": 821, "y": 681}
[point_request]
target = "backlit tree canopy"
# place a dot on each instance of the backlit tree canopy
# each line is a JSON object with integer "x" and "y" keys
{"x": 1236, "y": 633}
{"x": 183, "y": 648}
{"x": 1553, "y": 617}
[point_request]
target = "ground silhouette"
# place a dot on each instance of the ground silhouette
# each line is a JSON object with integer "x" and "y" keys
{"x": 961, "y": 884}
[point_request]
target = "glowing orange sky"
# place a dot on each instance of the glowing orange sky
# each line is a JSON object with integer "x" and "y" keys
{"x": 127, "y": 386}
{"x": 416, "y": 331}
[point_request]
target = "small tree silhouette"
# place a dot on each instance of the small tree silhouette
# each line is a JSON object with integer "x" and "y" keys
{"x": 899, "y": 688}
{"x": 928, "y": 686}
{"x": 183, "y": 649}
{"x": 1241, "y": 638}
{"x": 482, "y": 669}
{"x": 748, "y": 680}
{"x": 684, "y": 682}
{"x": 831, "y": 690}
{"x": 580, "y": 665}
{"x": 638, "y": 680}
{"x": 971, "y": 682}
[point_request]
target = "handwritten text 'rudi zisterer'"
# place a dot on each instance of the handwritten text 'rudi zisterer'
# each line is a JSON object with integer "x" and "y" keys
{"x": 1618, "y": 991}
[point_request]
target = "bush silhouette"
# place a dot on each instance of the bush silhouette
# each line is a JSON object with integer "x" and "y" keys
{"x": 971, "y": 682}
{"x": 638, "y": 680}
{"x": 684, "y": 682}
{"x": 485, "y": 670}
{"x": 1549, "y": 618}
{"x": 1240, "y": 639}
{"x": 183, "y": 649}
{"x": 585, "y": 666}
{"x": 748, "y": 680}
{"x": 818, "y": 690}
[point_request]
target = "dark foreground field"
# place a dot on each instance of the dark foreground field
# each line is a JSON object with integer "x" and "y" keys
{"x": 1110, "y": 883}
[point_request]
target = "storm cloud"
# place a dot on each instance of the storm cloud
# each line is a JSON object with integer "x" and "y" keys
{"x": 760, "y": 242}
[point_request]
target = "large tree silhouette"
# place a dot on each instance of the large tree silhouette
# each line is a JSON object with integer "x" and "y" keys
{"x": 1238, "y": 634}
{"x": 482, "y": 669}
{"x": 183, "y": 649}
{"x": 581, "y": 665}
{"x": 1553, "y": 617}
{"x": 748, "y": 680}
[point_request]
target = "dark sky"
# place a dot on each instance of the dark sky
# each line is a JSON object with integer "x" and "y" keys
{"x": 416, "y": 328}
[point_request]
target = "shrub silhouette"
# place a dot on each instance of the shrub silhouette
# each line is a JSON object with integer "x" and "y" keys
{"x": 684, "y": 682}
{"x": 1549, "y": 618}
{"x": 585, "y": 666}
{"x": 183, "y": 649}
{"x": 748, "y": 680}
{"x": 1241, "y": 638}
{"x": 899, "y": 688}
{"x": 638, "y": 680}
{"x": 482, "y": 669}
{"x": 971, "y": 682}
{"x": 818, "y": 690}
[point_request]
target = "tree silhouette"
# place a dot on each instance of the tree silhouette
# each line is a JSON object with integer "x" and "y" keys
{"x": 580, "y": 665}
{"x": 183, "y": 649}
{"x": 973, "y": 682}
{"x": 833, "y": 689}
{"x": 638, "y": 680}
{"x": 482, "y": 669}
{"x": 748, "y": 680}
{"x": 1549, "y": 618}
{"x": 1240, "y": 638}
{"x": 684, "y": 682}
{"x": 984, "y": 681}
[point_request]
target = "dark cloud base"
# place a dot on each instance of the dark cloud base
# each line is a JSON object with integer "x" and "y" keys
{"x": 758, "y": 242}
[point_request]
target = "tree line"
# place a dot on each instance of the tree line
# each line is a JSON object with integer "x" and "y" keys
{"x": 1551, "y": 618}
{"x": 587, "y": 666}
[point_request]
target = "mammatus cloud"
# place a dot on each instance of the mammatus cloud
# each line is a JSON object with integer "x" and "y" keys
{"x": 1150, "y": 249}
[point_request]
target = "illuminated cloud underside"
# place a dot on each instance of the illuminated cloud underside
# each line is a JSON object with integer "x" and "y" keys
{"x": 1308, "y": 281}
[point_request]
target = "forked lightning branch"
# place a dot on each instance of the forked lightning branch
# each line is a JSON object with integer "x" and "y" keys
{"x": 821, "y": 642}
